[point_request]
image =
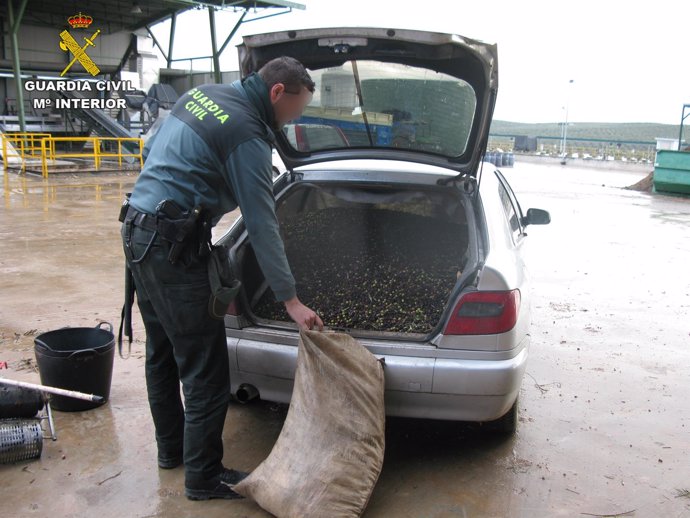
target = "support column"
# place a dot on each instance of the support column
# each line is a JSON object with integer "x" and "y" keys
{"x": 680, "y": 130}
{"x": 14, "y": 28}
{"x": 214, "y": 47}
{"x": 171, "y": 40}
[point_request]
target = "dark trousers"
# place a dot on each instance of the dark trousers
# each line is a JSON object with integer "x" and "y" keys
{"x": 183, "y": 343}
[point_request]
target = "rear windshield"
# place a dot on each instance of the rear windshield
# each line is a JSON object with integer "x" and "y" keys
{"x": 385, "y": 105}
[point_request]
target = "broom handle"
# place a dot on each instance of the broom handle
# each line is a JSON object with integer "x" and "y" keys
{"x": 53, "y": 390}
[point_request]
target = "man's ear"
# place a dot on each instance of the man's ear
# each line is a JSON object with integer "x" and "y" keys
{"x": 277, "y": 92}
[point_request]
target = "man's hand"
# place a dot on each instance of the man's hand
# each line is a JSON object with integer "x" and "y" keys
{"x": 302, "y": 315}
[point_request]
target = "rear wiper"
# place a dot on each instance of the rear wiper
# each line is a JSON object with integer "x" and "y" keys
{"x": 358, "y": 87}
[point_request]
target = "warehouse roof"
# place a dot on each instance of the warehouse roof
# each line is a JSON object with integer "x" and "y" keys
{"x": 128, "y": 15}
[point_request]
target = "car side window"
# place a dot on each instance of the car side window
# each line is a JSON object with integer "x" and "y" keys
{"x": 510, "y": 206}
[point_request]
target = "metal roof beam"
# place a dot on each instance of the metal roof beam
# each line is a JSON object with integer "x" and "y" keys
{"x": 245, "y": 4}
{"x": 216, "y": 52}
{"x": 157, "y": 19}
{"x": 165, "y": 54}
{"x": 268, "y": 16}
{"x": 232, "y": 32}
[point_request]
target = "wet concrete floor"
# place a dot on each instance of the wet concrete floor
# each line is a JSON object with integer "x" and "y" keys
{"x": 604, "y": 418}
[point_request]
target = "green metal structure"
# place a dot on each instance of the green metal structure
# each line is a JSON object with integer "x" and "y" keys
{"x": 129, "y": 15}
{"x": 672, "y": 168}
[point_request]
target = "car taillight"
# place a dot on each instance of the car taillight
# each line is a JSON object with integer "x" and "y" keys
{"x": 300, "y": 138}
{"x": 484, "y": 313}
{"x": 233, "y": 308}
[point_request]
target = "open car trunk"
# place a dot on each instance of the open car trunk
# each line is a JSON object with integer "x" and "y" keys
{"x": 371, "y": 260}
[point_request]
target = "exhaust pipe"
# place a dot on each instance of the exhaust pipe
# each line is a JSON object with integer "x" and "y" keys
{"x": 246, "y": 393}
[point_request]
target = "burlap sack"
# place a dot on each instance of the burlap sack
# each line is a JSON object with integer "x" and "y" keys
{"x": 329, "y": 454}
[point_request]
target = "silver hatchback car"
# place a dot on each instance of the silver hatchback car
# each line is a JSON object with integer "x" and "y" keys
{"x": 403, "y": 236}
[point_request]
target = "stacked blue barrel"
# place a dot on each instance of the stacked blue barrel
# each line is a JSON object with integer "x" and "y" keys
{"x": 500, "y": 158}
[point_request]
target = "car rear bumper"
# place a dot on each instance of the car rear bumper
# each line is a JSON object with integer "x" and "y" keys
{"x": 419, "y": 387}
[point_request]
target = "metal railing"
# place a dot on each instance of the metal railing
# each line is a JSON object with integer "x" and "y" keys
{"x": 21, "y": 146}
{"x": 97, "y": 153}
{"x": 44, "y": 147}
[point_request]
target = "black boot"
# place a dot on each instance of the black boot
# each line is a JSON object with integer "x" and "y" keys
{"x": 219, "y": 486}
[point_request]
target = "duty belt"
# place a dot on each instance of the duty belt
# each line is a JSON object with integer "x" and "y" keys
{"x": 141, "y": 219}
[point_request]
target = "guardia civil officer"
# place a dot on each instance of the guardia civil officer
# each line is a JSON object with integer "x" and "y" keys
{"x": 211, "y": 155}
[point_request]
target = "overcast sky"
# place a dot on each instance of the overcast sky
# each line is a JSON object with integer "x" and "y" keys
{"x": 629, "y": 61}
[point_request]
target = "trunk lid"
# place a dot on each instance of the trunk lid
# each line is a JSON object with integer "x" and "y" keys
{"x": 381, "y": 93}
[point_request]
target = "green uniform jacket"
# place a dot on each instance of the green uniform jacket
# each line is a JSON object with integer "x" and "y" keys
{"x": 214, "y": 151}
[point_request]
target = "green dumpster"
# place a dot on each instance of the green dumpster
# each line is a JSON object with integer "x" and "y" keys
{"x": 672, "y": 172}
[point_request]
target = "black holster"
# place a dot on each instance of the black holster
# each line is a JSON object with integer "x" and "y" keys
{"x": 224, "y": 285}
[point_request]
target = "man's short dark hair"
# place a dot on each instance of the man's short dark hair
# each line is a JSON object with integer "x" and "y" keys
{"x": 288, "y": 71}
